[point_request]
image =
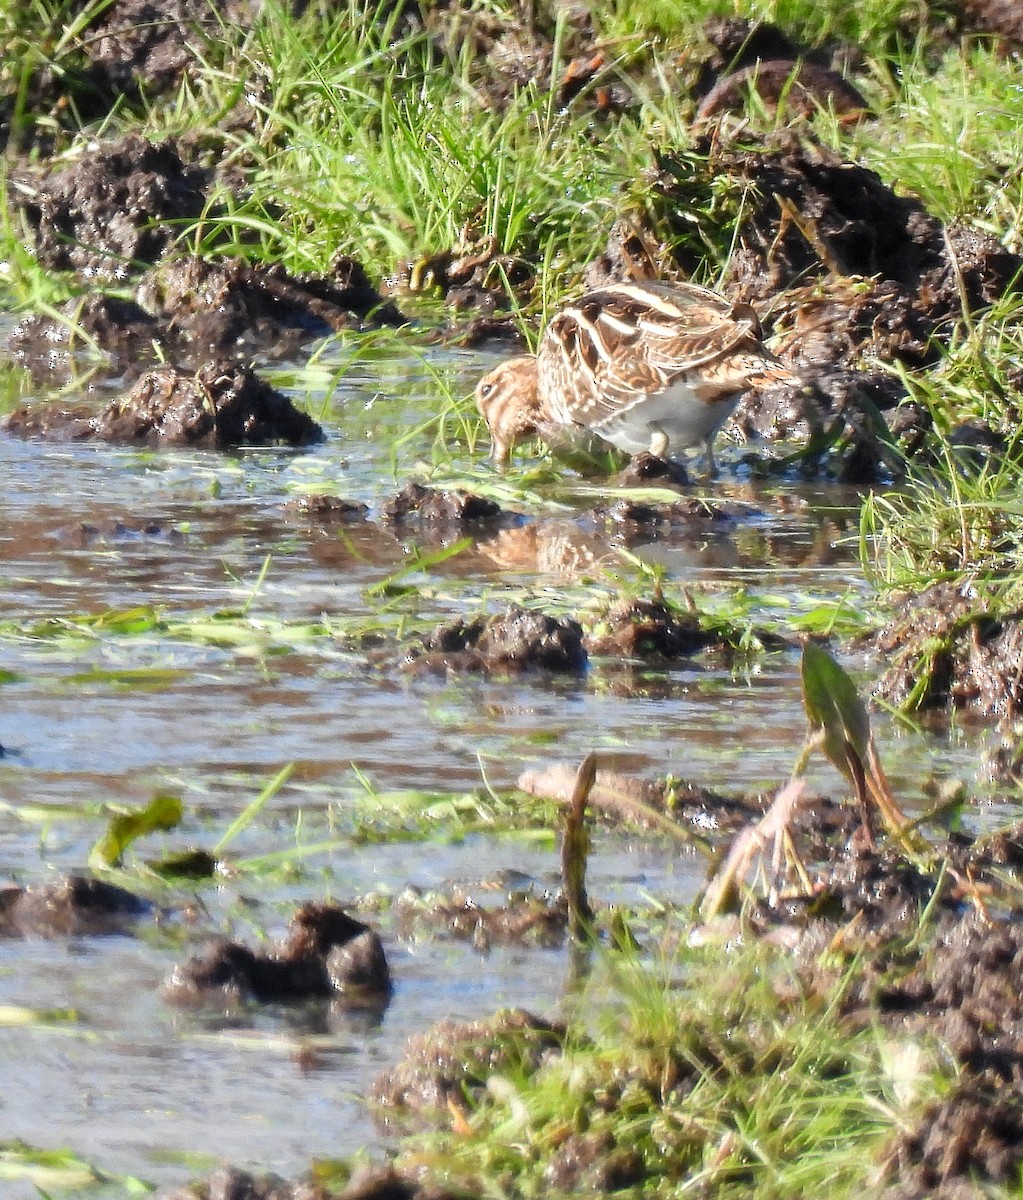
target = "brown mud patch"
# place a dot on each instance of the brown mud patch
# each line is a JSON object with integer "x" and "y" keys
{"x": 221, "y": 405}
{"x": 1003, "y": 18}
{"x": 190, "y": 309}
{"x": 800, "y": 88}
{"x": 324, "y": 509}
{"x": 117, "y": 208}
{"x": 522, "y": 639}
{"x": 486, "y": 914}
{"x": 447, "y": 1067}
{"x": 943, "y": 649}
{"x": 115, "y": 214}
{"x": 73, "y": 907}
{"x": 326, "y": 954}
{"x": 418, "y": 504}
{"x": 969, "y": 1138}
{"x": 511, "y": 51}
{"x": 516, "y": 640}
{"x": 366, "y": 1183}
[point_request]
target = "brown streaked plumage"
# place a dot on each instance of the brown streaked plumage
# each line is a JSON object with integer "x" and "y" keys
{"x": 647, "y": 366}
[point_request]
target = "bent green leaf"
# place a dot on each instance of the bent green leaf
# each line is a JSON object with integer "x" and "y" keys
{"x": 160, "y": 814}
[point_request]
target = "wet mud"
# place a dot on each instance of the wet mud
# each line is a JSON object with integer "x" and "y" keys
{"x": 518, "y": 639}
{"x": 221, "y": 405}
{"x": 367, "y": 1183}
{"x": 73, "y": 907}
{"x": 326, "y": 955}
{"x": 944, "y": 650}
{"x": 486, "y": 915}
{"x": 450, "y": 1063}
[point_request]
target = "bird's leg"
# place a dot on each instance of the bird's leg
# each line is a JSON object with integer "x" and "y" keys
{"x": 658, "y": 442}
{"x": 711, "y": 469}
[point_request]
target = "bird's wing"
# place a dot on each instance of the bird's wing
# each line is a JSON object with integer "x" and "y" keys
{"x": 627, "y": 341}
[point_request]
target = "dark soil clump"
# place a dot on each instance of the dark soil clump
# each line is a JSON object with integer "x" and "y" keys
{"x": 326, "y": 954}
{"x": 648, "y": 629}
{"x": 647, "y": 470}
{"x": 942, "y": 650}
{"x": 222, "y": 405}
{"x": 1004, "y": 18}
{"x": 367, "y": 1183}
{"x": 521, "y": 920}
{"x": 592, "y": 1163}
{"x": 115, "y": 210}
{"x": 452, "y": 1061}
{"x": 211, "y": 308}
{"x": 973, "y": 1134}
{"x": 120, "y": 327}
{"x": 439, "y": 506}
{"x": 326, "y": 510}
{"x": 800, "y": 87}
{"x": 74, "y": 907}
{"x": 149, "y": 46}
{"x": 518, "y": 639}
{"x": 191, "y": 310}
{"x": 633, "y": 517}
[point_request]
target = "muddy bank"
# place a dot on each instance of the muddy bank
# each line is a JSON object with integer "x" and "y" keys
{"x": 219, "y": 406}
{"x": 947, "y": 649}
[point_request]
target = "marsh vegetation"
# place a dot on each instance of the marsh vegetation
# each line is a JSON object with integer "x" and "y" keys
{"x": 296, "y": 685}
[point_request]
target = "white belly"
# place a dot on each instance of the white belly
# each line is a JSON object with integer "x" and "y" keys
{"x": 678, "y": 413}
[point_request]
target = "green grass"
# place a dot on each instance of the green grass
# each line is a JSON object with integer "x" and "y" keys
{"x": 712, "y": 1074}
{"x": 959, "y": 516}
{"x": 707, "y": 1080}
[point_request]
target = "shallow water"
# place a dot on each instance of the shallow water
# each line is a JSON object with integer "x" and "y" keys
{"x": 108, "y": 718}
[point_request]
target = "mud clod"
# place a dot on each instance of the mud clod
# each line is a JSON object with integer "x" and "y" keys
{"x": 689, "y": 514}
{"x": 325, "y": 509}
{"x": 591, "y": 1162}
{"x": 802, "y": 88}
{"x": 220, "y": 406}
{"x": 1000, "y": 17}
{"x": 942, "y": 650}
{"x": 435, "y": 505}
{"x": 647, "y": 470}
{"x": 148, "y": 46}
{"x": 523, "y": 919}
{"x": 231, "y": 307}
{"x": 975, "y": 1133}
{"x": 325, "y": 954}
{"x": 453, "y": 1061}
{"x": 121, "y": 327}
{"x": 115, "y": 210}
{"x": 73, "y": 907}
{"x": 518, "y": 639}
{"x": 368, "y": 1183}
{"x": 648, "y": 629}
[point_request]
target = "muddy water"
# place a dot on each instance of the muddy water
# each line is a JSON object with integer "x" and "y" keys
{"x": 109, "y": 718}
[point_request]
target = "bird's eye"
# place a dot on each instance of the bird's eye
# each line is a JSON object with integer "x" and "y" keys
{"x": 485, "y": 390}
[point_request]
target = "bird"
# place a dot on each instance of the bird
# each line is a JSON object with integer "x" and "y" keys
{"x": 646, "y": 365}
